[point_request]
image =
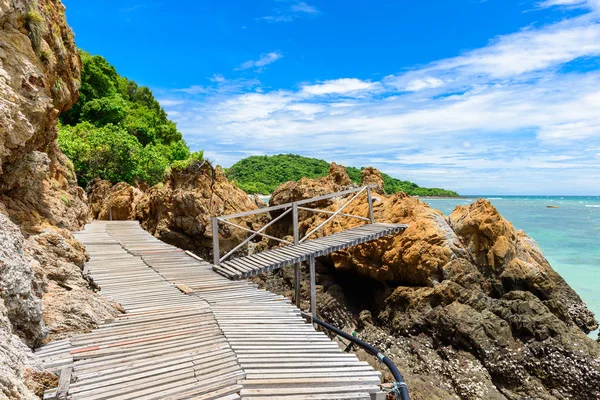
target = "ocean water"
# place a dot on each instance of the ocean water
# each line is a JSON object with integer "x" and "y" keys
{"x": 568, "y": 235}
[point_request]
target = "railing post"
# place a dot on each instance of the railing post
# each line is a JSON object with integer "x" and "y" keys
{"x": 295, "y": 221}
{"x": 313, "y": 288}
{"x": 215, "y": 232}
{"x": 370, "y": 200}
{"x": 297, "y": 265}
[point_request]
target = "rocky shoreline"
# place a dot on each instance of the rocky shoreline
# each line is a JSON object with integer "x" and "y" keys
{"x": 466, "y": 306}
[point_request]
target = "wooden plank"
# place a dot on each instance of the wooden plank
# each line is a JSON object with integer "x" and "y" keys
{"x": 63, "y": 382}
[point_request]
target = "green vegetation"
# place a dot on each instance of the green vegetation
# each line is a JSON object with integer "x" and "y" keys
{"x": 65, "y": 200}
{"x": 34, "y": 23}
{"x": 117, "y": 130}
{"x": 262, "y": 174}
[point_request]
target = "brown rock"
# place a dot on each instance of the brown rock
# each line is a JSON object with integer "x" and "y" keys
{"x": 305, "y": 188}
{"x": 372, "y": 176}
{"x": 474, "y": 308}
{"x": 70, "y": 304}
{"x": 41, "y": 284}
{"x": 116, "y": 202}
{"x": 178, "y": 210}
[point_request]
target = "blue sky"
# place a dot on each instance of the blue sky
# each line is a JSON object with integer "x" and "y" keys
{"x": 483, "y": 97}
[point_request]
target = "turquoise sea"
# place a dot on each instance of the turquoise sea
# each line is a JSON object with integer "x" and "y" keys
{"x": 568, "y": 235}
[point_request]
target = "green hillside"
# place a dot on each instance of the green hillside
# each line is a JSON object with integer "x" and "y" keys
{"x": 117, "y": 130}
{"x": 262, "y": 174}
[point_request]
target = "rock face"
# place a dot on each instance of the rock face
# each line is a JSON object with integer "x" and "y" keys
{"x": 467, "y": 306}
{"x": 42, "y": 289}
{"x": 371, "y": 176}
{"x": 39, "y": 78}
{"x": 305, "y": 188}
{"x": 18, "y": 365}
{"x": 18, "y": 288}
{"x": 113, "y": 201}
{"x": 70, "y": 304}
{"x": 178, "y": 211}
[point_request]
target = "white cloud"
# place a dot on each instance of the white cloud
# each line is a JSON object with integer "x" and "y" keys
{"x": 527, "y": 51}
{"x": 265, "y": 59}
{"x": 593, "y": 4}
{"x": 302, "y": 7}
{"x": 169, "y": 102}
{"x": 492, "y": 119}
{"x": 291, "y": 12}
{"x": 425, "y": 83}
{"x": 338, "y": 86}
{"x": 219, "y": 78}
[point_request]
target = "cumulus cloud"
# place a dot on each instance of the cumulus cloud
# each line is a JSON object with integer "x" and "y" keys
{"x": 338, "y": 86}
{"x": 503, "y": 114}
{"x": 424, "y": 83}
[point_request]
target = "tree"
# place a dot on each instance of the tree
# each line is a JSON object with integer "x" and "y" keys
{"x": 117, "y": 130}
{"x": 105, "y": 110}
{"x": 262, "y": 174}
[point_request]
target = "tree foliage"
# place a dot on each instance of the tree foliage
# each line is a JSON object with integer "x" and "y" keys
{"x": 262, "y": 174}
{"x": 117, "y": 130}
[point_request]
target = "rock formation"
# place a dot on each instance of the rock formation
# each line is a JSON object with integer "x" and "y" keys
{"x": 467, "y": 306}
{"x": 42, "y": 289}
{"x": 115, "y": 202}
{"x": 305, "y": 188}
{"x": 178, "y": 210}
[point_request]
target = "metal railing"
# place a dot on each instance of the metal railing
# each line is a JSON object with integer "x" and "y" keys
{"x": 288, "y": 208}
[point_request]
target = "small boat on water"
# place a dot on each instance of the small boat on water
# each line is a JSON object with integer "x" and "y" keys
{"x": 552, "y": 206}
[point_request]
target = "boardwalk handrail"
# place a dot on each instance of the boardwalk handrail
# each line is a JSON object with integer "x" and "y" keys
{"x": 288, "y": 207}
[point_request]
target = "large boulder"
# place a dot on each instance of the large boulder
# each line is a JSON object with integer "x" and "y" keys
{"x": 336, "y": 181}
{"x": 465, "y": 301}
{"x": 39, "y": 77}
{"x": 70, "y": 302}
{"x": 116, "y": 202}
{"x": 179, "y": 209}
{"x": 372, "y": 177}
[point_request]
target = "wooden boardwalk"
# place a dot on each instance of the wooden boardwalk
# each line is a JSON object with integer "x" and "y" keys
{"x": 280, "y": 257}
{"x": 190, "y": 333}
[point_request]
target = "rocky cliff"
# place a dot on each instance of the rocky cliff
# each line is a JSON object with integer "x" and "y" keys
{"x": 179, "y": 209}
{"x": 42, "y": 291}
{"x": 467, "y": 306}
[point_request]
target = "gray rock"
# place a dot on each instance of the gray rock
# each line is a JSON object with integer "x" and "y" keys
{"x": 17, "y": 286}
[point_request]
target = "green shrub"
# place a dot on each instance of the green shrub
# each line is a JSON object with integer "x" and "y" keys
{"x": 65, "y": 199}
{"x": 114, "y": 112}
{"x": 195, "y": 157}
{"x": 262, "y": 175}
{"x": 34, "y": 23}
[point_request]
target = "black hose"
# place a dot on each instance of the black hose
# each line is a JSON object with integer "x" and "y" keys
{"x": 399, "y": 386}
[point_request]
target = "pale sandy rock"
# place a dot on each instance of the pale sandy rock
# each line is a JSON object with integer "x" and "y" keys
{"x": 40, "y": 275}
{"x": 70, "y": 304}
